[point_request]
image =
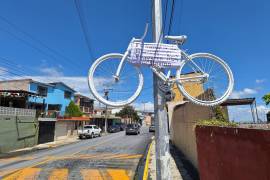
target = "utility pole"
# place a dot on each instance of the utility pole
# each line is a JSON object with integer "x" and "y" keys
{"x": 161, "y": 122}
{"x": 106, "y": 94}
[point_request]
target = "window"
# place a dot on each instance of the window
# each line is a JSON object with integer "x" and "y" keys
{"x": 67, "y": 95}
{"x": 42, "y": 91}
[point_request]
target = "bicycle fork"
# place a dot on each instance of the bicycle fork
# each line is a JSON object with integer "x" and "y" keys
{"x": 116, "y": 76}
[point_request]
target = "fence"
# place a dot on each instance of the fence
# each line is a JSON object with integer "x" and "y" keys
{"x": 9, "y": 111}
{"x": 18, "y": 129}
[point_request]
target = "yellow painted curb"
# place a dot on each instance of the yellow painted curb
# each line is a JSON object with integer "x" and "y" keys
{"x": 145, "y": 172}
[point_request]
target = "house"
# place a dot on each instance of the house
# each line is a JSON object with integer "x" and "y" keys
{"x": 85, "y": 103}
{"x": 48, "y": 99}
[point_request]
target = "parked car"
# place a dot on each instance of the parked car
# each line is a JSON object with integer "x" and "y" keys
{"x": 152, "y": 128}
{"x": 122, "y": 126}
{"x": 114, "y": 128}
{"x": 132, "y": 129}
{"x": 89, "y": 131}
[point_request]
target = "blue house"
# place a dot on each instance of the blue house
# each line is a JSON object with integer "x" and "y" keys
{"x": 44, "y": 97}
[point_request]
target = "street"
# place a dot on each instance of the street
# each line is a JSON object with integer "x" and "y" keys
{"x": 114, "y": 156}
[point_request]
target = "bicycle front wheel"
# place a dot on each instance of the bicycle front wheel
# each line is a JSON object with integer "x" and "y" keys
{"x": 113, "y": 91}
{"x": 211, "y": 90}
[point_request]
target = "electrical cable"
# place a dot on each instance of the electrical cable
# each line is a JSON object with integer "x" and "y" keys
{"x": 171, "y": 18}
{"x": 68, "y": 60}
{"x": 84, "y": 28}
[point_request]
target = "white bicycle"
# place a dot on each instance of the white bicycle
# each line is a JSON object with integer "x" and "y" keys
{"x": 202, "y": 78}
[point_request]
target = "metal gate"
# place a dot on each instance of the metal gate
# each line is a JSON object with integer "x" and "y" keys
{"x": 46, "y": 131}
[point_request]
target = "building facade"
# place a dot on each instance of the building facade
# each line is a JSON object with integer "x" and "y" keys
{"x": 85, "y": 103}
{"x": 49, "y": 99}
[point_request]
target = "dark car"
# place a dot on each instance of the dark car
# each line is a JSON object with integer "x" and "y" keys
{"x": 122, "y": 126}
{"x": 113, "y": 129}
{"x": 152, "y": 128}
{"x": 132, "y": 129}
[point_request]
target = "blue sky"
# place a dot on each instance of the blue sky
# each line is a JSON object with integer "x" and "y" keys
{"x": 237, "y": 31}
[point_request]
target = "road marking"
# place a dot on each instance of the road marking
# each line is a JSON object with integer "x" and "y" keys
{"x": 132, "y": 156}
{"x": 7, "y": 160}
{"x": 88, "y": 148}
{"x": 91, "y": 174}
{"x": 15, "y": 171}
{"x": 115, "y": 156}
{"x": 27, "y": 173}
{"x": 118, "y": 174}
{"x": 59, "y": 174}
{"x": 145, "y": 172}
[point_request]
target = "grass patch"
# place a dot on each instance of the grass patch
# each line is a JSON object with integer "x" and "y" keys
{"x": 216, "y": 122}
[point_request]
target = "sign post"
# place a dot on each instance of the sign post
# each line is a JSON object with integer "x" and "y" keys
{"x": 161, "y": 121}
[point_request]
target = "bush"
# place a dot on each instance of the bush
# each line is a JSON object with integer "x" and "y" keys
{"x": 216, "y": 122}
{"x": 219, "y": 119}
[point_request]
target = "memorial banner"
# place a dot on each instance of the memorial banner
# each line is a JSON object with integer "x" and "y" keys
{"x": 154, "y": 54}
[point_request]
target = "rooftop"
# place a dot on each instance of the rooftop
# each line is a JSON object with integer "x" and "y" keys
{"x": 235, "y": 102}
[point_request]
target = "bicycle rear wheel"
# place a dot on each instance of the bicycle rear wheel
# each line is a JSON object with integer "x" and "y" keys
{"x": 209, "y": 91}
{"x": 109, "y": 91}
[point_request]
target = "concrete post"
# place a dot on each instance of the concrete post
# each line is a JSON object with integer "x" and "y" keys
{"x": 161, "y": 122}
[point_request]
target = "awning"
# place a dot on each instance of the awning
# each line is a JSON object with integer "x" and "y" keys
{"x": 74, "y": 119}
{"x": 235, "y": 102}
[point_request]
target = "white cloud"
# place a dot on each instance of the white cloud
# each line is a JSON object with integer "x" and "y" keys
{"x": 51, "y": 71}
{"x": 243, "y": 113}
{"x": 78, "y": 83}
{"x": 259, "y": 81}
{"x": 3, "y": 71}
{"x": 147, "y": 106}
{"x": 243, "y": 93}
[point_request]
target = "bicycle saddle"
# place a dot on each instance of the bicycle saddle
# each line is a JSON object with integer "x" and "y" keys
{"x": 177, "y": 39}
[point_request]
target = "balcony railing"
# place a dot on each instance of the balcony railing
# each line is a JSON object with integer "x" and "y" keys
{"x": 86, "y": 109}
{"x": 50, "y": 114}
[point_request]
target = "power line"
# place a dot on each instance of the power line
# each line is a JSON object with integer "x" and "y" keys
{"x": 180, "y": 15}
{"x": 83, "y": 27}
{"x": 171, "y": 18}
{"x": 68, "y": 60}
{"x": 7, "y": 63}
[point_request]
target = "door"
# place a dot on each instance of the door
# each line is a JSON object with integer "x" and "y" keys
{"x": 46, "y": 131}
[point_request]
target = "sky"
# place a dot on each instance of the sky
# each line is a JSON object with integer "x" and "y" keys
{"x": 44, "y": 40}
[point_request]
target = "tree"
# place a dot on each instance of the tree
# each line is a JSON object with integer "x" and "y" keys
{"x": 266, "y": 98}
{"x": 128, "y": 112}
{"x": 219, "y": 113}
{"x": 73, "y": 110}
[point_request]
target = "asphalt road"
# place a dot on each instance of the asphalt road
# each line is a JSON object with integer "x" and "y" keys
{"x": 114, "y": 156}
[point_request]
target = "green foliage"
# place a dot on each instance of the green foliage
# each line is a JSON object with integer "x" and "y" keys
{"x": 220, "y": 119}
{"x": 216, "y": 122}
{"x": 128, "y": 112}
{"x": 266, "y": 98}
{"x": 73, "y": 110}
{"x": 219, "y": 114}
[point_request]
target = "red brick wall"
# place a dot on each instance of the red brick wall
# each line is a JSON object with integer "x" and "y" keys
{"x": 233, "y": 153}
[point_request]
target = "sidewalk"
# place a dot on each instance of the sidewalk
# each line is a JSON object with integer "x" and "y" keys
{"x": 57, "y": 143}
{"x": 175, "y": 164}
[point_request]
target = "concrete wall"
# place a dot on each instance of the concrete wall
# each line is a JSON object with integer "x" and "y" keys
{"x": 14, "y": 85}
{"x": 17, "y": 132}
{"x": 233, "y": 153}
{"x": 148, "y": 120}
{"x": 64, "y": 129}
{"x": 182, "y": 123}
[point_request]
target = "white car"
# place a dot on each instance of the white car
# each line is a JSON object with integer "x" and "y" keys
{"x": 89, "y": 131}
